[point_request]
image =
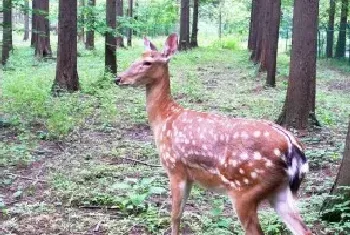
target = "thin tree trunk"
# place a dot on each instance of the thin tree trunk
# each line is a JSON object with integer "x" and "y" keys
{"x": 330, "y": 31}
{"x": 34, "y": 30}
{"x": 256, "y": 53}
{"x": 265, "y": 24}
{"x": 43, "y": 46}
{"x": 81, "y": 33}
{"x": 120, "y": 13}
{"x": 184, "y": 25}
{"x": 341, "y": 43}
{"x": 194, "y": 37}
{"x": 129, "y": 31}
{"x": 272, "y": 48}
{"x": 26, "y": 20}
{"x": 7, "y": 31}
{"x": 90, "y": 34}
{"x": 110, "y": 39}
{"x": 251, "y": 36}
{"x": 302, "y": 74}
{"x": 66, "y": 71}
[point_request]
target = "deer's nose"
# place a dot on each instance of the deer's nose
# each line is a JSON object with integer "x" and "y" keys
{"x": 117, "y": 80}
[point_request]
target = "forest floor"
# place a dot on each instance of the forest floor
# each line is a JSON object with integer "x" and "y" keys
{"x": 85, "y": 163}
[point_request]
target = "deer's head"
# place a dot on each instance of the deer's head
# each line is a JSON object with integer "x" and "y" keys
{"x": 152, "y": 65}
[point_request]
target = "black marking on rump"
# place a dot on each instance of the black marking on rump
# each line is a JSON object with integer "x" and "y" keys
{"x": 295, "y": 159}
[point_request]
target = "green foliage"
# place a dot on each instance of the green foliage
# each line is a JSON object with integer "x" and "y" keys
{"x": 228, "y": 43}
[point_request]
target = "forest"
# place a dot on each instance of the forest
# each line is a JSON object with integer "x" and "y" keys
{"x": 81, "y": 147}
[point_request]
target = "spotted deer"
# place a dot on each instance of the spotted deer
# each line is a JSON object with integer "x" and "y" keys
{"x": 250, "y": 160}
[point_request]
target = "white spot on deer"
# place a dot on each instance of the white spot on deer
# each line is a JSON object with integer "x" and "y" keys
{"x": 277, "y": 152}
{"x": 256, "y": 134}
{"x": 257, "y": 155}
{"x": 193, "y": 142}
{"x": 187, "y": 141}
{"x": 244, "y": 156}
{"x": 232, "y": 162}
{"x": 222, "y": 161}
{"x": 222, "y": 137}
{"x": 267, "y": 134}
{"x": 268, "y": 163}
{"x": 254, "y": 175}
{"x": 168, "y": 133}
{"x": 244, "y": 135}
{"x": 235, "y": 135}
{"x": 241, "y": 171}
{"x": 246, "y": 181}
{"x": 205, "y": 147}
{"x": 238, "y": 182}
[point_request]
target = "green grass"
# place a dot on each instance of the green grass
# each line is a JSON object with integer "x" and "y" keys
{"x": 81, "y": 143}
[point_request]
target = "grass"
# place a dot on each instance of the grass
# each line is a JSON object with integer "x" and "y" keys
{"x": 66, "y": 161}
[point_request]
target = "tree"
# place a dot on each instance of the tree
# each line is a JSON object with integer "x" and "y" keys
{"x": 330, "y": 31}
{"x": 110, "y": 39}
{"x": 42, "y": 45}
{"x": 129, "y": 31}
{"x": 272, "y": 43}
{"x": 120, "y": 13}
{"x": 184, "y": 25}
{"x": 300, "y": 101}
{"x": 81, "y": 33}
{"x": 194, "y": 36}
{"x": 34, "y": 30}
{"x": 26, "y": 20}
{"x": 341, "y": 43}
{"x": 257, "y": 31}
{"x": 66, "y": 70}
{"x": 252, "y": 23}
{"x": 90, "y": 20}
{"x": 7, "y": 31}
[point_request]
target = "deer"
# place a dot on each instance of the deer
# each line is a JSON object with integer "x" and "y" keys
{"x": 248, "y": 159}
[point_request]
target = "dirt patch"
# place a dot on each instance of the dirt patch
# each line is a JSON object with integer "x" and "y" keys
{"x": 339, "y": 85}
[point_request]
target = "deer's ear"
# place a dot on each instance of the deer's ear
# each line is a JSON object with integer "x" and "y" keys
{"x": 171, "y": 45}
{"x": 148, "y": 45}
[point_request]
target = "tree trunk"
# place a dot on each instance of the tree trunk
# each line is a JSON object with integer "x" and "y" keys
{"x": 34, "y": 13}
{"x": 272, "y": 44}
{"x": 90, "y": 34}
{"x": 256, "y": 53}
{"x": 43, "y": 46}
{"x": 302, "y": 74}
{"x": 129, "y": 31}
{"x": 265, "y": 24}
{"x": 66, "y": 71}
{"x": 184, "y": 25}
{"x": 110, "y": 39}
{"x": 194, "y": 37}
{"x": 251, "y": 37}
{"x": 330, "y": 31}
{"x": 120, "y": 13}
{"x": 81, "y": 33}
{"x": 26, "y": 20}
{"x": 341, "y": 43}
{"x": 7, "y": 31}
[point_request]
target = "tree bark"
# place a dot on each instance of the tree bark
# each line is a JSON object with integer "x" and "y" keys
{"x": 257, "y": 27}
{"x": 265, "y": 24}
{"x": 66, "y": 71}
{"x": 110, "y": 39}
{"x": 251, "y": 37}
{"x": 129, "y": 31}
{"x": 184, "y": 25}
{"x": 7, "y": 31}
{"x": 26, "y": 20}
{"x": 81, "y": 34}
{"x": 90, "y": 33}
{"x": 120, "y": 13}
{"x": 330, "y": 31}
{"x": 34, "y": 30}
{"x": 302, "y": 74}
{"x": 43, "y": 46}
{"x": 341, "y": 43}
{"x": 272, "y": 44}
{"x": 194, "y": 37}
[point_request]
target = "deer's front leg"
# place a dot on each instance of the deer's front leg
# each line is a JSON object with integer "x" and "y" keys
{"x": 180, "y": 189}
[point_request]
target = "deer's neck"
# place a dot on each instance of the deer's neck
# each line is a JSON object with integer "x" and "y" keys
{"x": 159, "y": 102}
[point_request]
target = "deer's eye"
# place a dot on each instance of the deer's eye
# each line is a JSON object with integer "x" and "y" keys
{"x": 147, "y": 63}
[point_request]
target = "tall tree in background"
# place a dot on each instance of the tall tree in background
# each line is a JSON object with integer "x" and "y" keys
{"x": 42, "y": 45}
{"x": 26, "y": 20}
{"x": 273, "y": 36}
{"x": 330, "y": 31}
{"x": 120, "y": 13}
{"x": 341, "y": 43}
{"x": 90, "y": 20}
{"x": 66, "y": 70}
{"x": 194, "y": 36}
{"x": 184, "y": 25}
{"x": 110, "y": 39}
{"x": 257, "y": 30}
{"x": 34, "y": 30}
{"x": 7, "y": 31}
{"x": 129, "y": 31}
{"x": 81, "y": 33}
{"x": 252, "y": 25}
{"x": 300, "y": 101}
{"x": 265, "y": 22}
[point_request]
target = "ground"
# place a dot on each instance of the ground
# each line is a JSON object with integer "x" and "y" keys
{"x": 85, "y": 163}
